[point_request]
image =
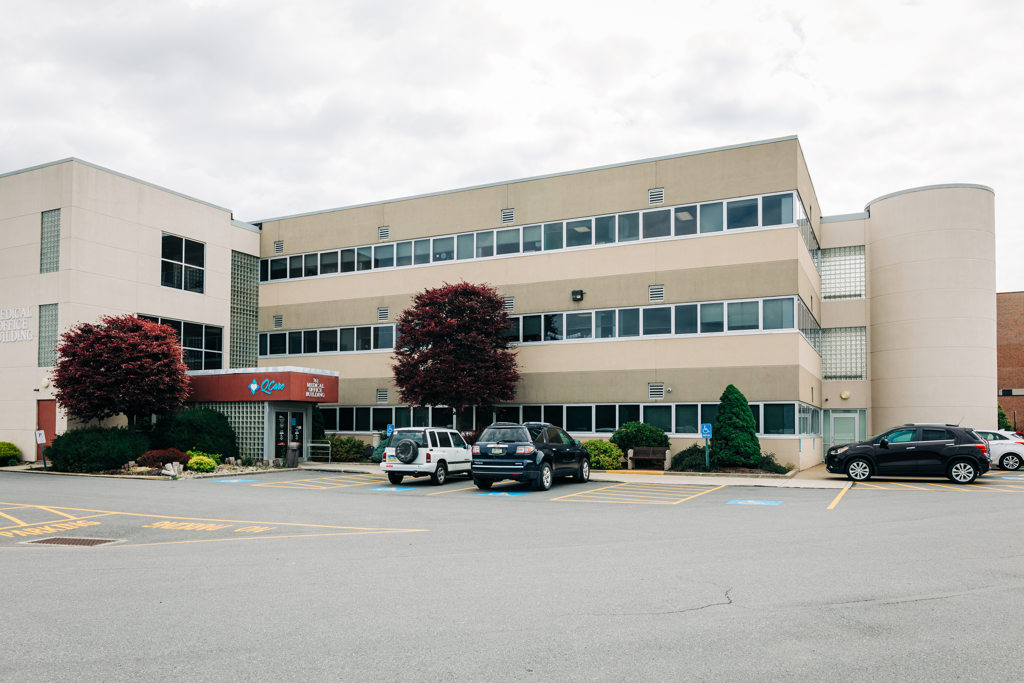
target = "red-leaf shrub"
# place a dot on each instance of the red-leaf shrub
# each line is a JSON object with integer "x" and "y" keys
{"x": 159, "y": 458}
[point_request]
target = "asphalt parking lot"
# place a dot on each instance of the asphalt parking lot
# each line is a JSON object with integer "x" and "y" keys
{"x": 334, "y": 575}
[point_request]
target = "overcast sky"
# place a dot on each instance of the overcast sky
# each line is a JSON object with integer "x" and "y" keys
{"x": 276, "y": 108}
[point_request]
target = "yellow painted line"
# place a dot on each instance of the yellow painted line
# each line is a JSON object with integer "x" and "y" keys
{"x": 56, "y": 512}
{"x": 909, "y": 486}
{"x": 699, "y": 494}
{"x": 438, "y": 493}
{"x": 839, "y": 497}
{"x": 580, "y": 493}
{"x": 13, "y": 519}
{"x": 955, "y": 487}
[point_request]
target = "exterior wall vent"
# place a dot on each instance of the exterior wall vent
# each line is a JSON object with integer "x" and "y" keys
{"x": 655, "y": 391}
{"x": 384, "y": 233}
{"x": 382, "y": 396}
{"x": 656, "y": 196}
{"x": 279, "y": 247}
{"x": 656, "y": 293}
{"x": 508, "y": 216}
{"x": 278, "y": 322}
{"x": 382, "y": 314}
{"x": 510, "y": 303}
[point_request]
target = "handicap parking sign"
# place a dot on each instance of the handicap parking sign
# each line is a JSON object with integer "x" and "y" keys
{"x": 391, "y": 428}
{"x": 705, "y": 430}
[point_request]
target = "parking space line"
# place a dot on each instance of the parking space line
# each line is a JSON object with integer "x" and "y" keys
{"x": 839, "y": 497}
{"x": 321, "y": 483}
{"x": 579, "y": 493}
{"x": 640, "y": 494}
{"x": 696, "y": 495}
{"x": 438, "y": 493}
{"x": 13, "y": 519}
{"x": 909, "y": 486}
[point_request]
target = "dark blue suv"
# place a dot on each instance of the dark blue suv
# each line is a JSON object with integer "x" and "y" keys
{"x": 533, "y": 451}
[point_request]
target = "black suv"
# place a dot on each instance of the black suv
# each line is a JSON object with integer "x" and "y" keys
{"x": 914, "y": 450}
{"x": 532, "y": 451}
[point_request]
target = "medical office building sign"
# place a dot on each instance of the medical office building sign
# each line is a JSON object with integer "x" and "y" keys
{"x": 14, "y": 324}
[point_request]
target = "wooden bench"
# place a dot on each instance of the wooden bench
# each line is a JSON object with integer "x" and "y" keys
{"x": 649, "y": 458}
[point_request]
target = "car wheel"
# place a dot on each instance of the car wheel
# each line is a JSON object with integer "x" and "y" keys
{"x": 1010, "y": 461}
{"x": 583, "y": 472}
{"x": 406, "y": 451}
{"x": 395, "y": 478}
{"x": 962, "y": 472}
{"x": 440, "y": 474}
{"x": 545, "y": 478}
{"x": 483, "y": 484}
{"x": 858, "y": 469}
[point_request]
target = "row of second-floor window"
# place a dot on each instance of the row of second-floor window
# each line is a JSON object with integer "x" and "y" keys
{"x": 327, "y": 340}
{"x": 677, "y": 419}
{"x": 182, "y": 263}
{"x": 202, "y": 346}
{"x": 716, "y": 317}
{"x": 769, "y": 211}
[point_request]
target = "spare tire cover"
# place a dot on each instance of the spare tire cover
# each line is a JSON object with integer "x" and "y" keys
{"x": 406, "y": 450}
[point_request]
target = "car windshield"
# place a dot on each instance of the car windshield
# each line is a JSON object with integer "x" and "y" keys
{"x": 419, "y": 436}
{"x": 504, "y": 434}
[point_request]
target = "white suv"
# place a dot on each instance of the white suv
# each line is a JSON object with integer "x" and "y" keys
{"x": 1005, "y": 448}
{"x": 425, "y": 451}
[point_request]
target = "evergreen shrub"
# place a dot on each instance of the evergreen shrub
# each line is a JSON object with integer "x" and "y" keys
{"x": 691, "y": 459}
{"x": 10, "y": 454}
{"x": 201, "y": 463}
{"x": 734, "y": 443}
{"x": 639, "y": 435}
{"x": 216, "y": 457}
{"x": 198, "y": 429}
{"x": 96, "y": 449}
{"x": 347, "y": 448}
{"x": 603, "y": 455}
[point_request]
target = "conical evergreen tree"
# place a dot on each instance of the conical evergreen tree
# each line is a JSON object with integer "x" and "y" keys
{"x": 734, "y": 442}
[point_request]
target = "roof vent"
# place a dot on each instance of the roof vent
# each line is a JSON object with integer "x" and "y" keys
{"x": 508, "y": 216}
{"x": 656, "y": 293}
{"x": 655, "y": 391}
{"x": 384, "y": 233}
{"x": 656, "y": 196}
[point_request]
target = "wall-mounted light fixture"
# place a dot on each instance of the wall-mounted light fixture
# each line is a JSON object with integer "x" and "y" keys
{"x": 845, "y": 395}
{"x": 577, "y": 294}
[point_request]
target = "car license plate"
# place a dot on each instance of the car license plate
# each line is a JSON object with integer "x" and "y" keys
{"x": 497, "y": 451}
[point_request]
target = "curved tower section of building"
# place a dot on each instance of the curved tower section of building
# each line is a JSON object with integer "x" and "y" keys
{"x": 932, "y": 338}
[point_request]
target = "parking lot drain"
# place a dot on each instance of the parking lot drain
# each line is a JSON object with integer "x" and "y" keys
{"x": 63, "y": 540}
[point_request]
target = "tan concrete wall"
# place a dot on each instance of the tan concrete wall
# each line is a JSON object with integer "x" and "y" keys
{"x": 931, "y": 256}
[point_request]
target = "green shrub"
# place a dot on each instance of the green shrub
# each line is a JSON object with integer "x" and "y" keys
{"x": 159, "y": 458}
{"x": 639, "y": 435}
{"x": 197, "y": 429}
{"x": 767, "y": 462}
{"x": 216, "y": 457}
{"x": 378, "y": 451}
{"x": 603, "y": 455}
{"x": 734, "y": 443}
{"x": 1002, "y": 421}
{"x": 692, "y": 459}
{"x": 96, "y": 449}
{"x": 201, "y": 463}
{"x": 10, "y": 454}
{"x": 347, "y": 448}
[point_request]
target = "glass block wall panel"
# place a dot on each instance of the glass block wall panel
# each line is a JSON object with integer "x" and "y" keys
{"x": 844, "y": 353}
{"x": 47, "y": 335}
{"x": 244, "y": 301}
{"x": 49, "y": 243}
{"x": 842, "y": 273}
{"x": 247, "y": 419}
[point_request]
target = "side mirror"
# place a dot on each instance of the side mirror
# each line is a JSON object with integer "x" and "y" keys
{"x": 576, "y": 442}
{"x": 884, "y": 443}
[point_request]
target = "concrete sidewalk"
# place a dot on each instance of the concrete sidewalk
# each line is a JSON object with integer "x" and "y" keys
{"x": 812, "y": 478}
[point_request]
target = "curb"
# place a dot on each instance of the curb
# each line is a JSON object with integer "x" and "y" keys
{"x": 150, "y": 477}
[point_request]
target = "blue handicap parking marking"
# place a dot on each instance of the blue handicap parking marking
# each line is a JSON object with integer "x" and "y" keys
{"x": 393, "y": 488}
{"x": 232, "y": 481}
{"x": 1018, "y": 478}
{"x": 506, "y": 494}
{"x": 754, "y": 502}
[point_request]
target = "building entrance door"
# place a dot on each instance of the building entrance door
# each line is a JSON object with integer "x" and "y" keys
{"x": 289, "y": 428}
{"x": 844, "y": 428}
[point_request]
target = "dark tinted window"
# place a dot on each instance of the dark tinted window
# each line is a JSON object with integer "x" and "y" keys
{"x": 928, "y": 434}
{"x": 505, "y": 434}
{"x": 400, "y": 434}
{"x": 444, "y": 440}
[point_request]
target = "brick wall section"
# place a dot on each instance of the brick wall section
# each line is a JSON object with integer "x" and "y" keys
{"x": 1010, "y": 350}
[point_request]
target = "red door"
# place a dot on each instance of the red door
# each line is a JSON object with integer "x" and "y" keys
{"x": 46, "y": 418}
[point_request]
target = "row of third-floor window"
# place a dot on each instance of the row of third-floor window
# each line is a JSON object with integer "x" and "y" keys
{"x": 770, "y": 211}
{"x": 746, "y": 316}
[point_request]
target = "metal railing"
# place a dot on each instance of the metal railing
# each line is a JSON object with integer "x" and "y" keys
{"x": 320, "y": 450}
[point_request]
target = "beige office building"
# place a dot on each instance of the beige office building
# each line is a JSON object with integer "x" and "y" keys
{"x": 638, "y": 291}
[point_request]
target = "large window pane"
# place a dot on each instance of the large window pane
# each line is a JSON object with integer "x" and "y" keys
{"x": 686, "y": 220}
{"x": 193, "y": 279}
{"x": 442, "y": 417}
{"x": 172, "y": 248}
{"x": 658, "y": 320}
{"x": 294, "y": 343}
{"x": 708, "y": 412}
{"x": 604, "y": 324}
{"x": 579, "y": 419}
{"x": 263, "y": 344}
{"x": 278, "y": 344}
{"x": 744, "y": 315}
{"x": 295, "y": 266}
{"x": 403, "y": 417}
{"x": 328, "y": 262}
{"x": 507, "y": 241}
{"x": 578, "y": 233}
{"x": 328, "y": 340}
{"x": 657, "y": 224}
{"x": 192, "y": 336}
{"x": 403, "y": 254}
{"x": 512, "y": 331}
{"x": 278, "y": 269}
{"x": 553, "y": 330}
{"x": 195, "y": 254}
{"x": 777, "y": 209}
{"x": 421, "y": 253}
{"x": 362, "y": 419}
{"x": 346, "y": 420}
{"x": 485, "y": 244}
{"x": 309, "y": 341}
{"x": 578, "y": 325}
{"x": 553, "y": 414}
{"x": 213, "y": 337}
{"x": 347, "y": 339}
{"x": 755, "y": 411}
{"x": 382, "y": 417}
{"x": 364, "y": 258}
{"x": 742, "y": 213}
{"x": 533, "y": 414}
{"x": 552, "y": 236}
{"x": 629, "y": 413}
{"x": 532, "y": 238}
{"x": 384, "y": 256}
{"x": 686, "y": 319}
{"x": 311, "y": 265}
{"x": 604, "y": 230}
{"x": 531, "y": 328}
{"x": 659, "y": 416}
{"x": 383, "y": 337}
{"x": 778, "y": 314}
{"x": 711, "y": 217}
{"x": 170, "y": 274}
{"x": 363, "y": 339}
{"x": 779, "y": 418}
{"x": 444, "y": 249}
{"x": 687, "y": 421}
{"x": 605, "y": 418}
{"x": 464, "y": 246}
{"x": 711, "y": 318}
{"x": 330, "y": 416}
{"x": 348, "y": 260}
{"x": 629, "y": 322}
{"x": 421, "y": 416}
{"x": 629, "y": 227}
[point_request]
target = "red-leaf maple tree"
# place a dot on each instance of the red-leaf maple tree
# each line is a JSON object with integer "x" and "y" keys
{"x": 123, "y": 365}
{"x": 451, "y": 349}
